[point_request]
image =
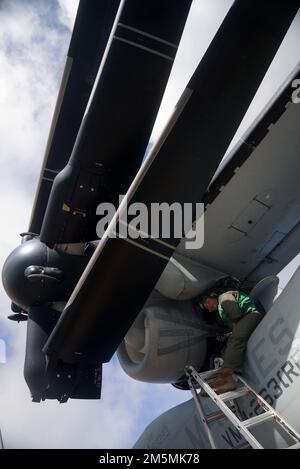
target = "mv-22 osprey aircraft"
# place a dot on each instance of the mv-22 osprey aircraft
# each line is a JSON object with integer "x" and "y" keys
{"x": 85, "y": 298}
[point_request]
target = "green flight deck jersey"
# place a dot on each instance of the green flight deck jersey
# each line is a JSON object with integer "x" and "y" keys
{"x": 233, "y": 305}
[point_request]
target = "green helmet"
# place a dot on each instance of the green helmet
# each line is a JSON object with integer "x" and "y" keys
{"x": 203, "y": 298}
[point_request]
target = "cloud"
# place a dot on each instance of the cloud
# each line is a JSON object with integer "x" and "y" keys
{"x": 32, "y": 55}
{"x": 67, "y": 13}
{"x": 2, "y": 351}
{"x": 113, "y": 422}
{"x": 31, "y": 62}
{"x": 202, "y": 24}
{"x": 33, "y": 46}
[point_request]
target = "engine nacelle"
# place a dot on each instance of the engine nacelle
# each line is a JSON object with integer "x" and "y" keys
{"x": 166, "y": 336}
{"x": 185, "y": 279}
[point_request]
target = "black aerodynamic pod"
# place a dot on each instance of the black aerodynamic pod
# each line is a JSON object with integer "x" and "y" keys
{"x": 34, "y": 274}
{"x": 65, "y": 380}
{"x": 38, "y": 278}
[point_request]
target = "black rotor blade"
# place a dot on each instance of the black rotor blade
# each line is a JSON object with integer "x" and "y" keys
{"x": 119, "y": 118}
{"x": 123, "y": 272}
{"x": 89, "y": 38}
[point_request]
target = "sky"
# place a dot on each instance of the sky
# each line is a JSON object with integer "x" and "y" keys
{"x": 34, "y": 39}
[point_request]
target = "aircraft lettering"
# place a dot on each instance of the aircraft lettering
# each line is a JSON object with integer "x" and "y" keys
{"x": 283, "y": 379}
{"x": 278, "y": 335}
{"x": 259, "y": 360}
{"x": 290, "y": 371}
{"x": 279, "y": 376}
{"x": 276, "y": 339}
{"x": 287, "y": 373}
{"x": 236, "y": 434}
{"x": 228, "y": 438}
{"x": 277, "y": 391}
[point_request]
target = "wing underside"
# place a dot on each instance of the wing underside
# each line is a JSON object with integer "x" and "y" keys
{"x": 252, "y": 218}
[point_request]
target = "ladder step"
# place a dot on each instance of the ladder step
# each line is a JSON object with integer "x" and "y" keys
{"x": 230, "y": 410}
{"x": 209, "y": 374}
{"x": 219, "y": 414}
{"x": 215, "y": 416}
{"x": 234, "y": 394}
{"x": 258, "y": 419}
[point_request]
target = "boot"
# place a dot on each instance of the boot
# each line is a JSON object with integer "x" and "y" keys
{"x": 223, "y": 382}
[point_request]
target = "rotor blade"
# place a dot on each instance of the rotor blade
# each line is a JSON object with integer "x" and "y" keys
{"x": 116, "y": 128}
{"x": 92, "y": 27}
{"x": 123, "y": 272}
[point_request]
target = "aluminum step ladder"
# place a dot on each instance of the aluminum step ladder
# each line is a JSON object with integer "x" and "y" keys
{"x": 231, "y": 412}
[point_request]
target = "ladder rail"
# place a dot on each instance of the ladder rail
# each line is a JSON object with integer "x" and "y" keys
{"x": 243, "y": 426}
{"x": 291, "y": 431}
{"x": 229, "y": 414}
{"x": 202, "y": 414}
